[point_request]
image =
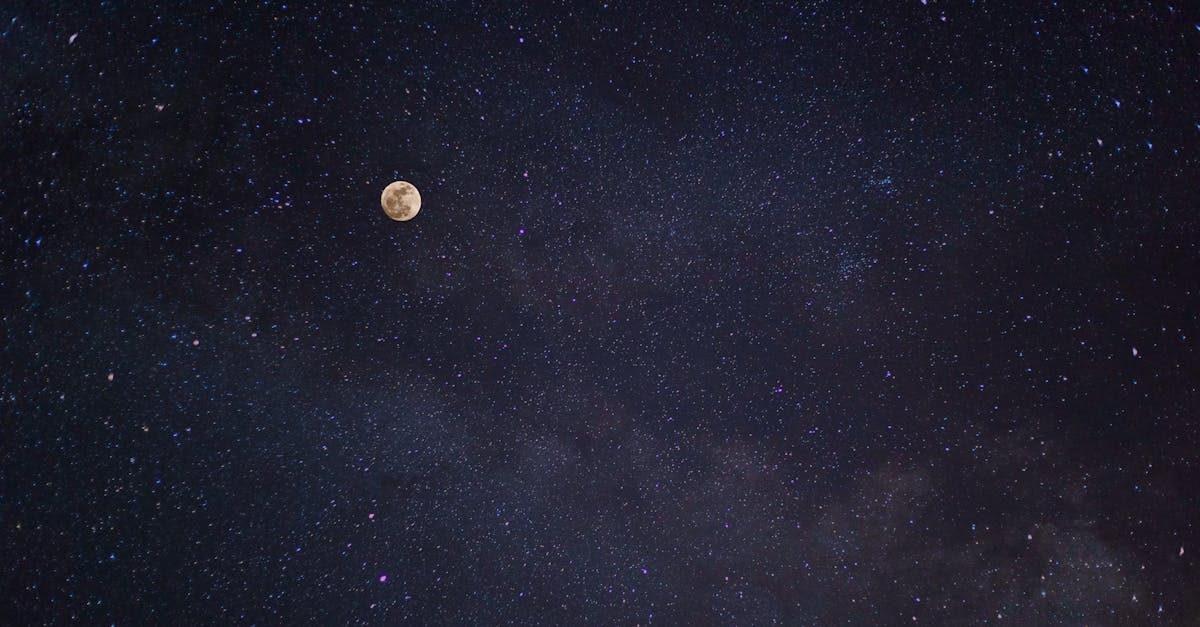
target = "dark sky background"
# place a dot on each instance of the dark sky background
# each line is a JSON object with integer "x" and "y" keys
{"x": 819, "y": 313}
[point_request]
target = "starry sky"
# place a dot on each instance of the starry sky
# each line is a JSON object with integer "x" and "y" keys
{"x": 731, "y": 314}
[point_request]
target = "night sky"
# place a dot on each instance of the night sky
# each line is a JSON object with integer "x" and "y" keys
{"x": 820, "y": 313}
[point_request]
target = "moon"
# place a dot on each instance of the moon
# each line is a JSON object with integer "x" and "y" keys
{"x": 401, "y": 201}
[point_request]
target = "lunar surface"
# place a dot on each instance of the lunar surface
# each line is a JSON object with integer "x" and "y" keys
{"x": 401, "y": 201}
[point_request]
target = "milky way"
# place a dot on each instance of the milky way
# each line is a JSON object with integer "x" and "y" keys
{"x": 808, "y": 314}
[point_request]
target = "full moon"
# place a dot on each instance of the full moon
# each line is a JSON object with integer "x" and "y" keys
{"x": 401, "y": 201}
